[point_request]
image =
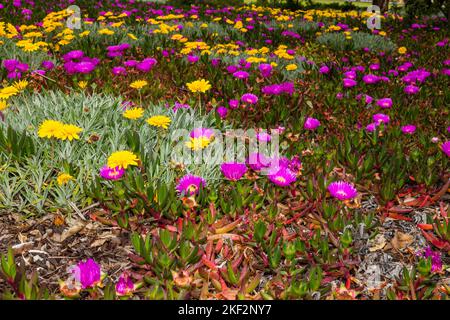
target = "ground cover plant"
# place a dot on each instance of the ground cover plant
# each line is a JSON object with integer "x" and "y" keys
{"x": 210, "y": 151}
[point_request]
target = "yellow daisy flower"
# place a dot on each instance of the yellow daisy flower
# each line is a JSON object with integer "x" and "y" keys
{"x": 198, "y": 143}
{"x": 134, "y": 113}
{"x": 3, "y": 105}
{"x": 122, "y": 159}
{"x": 69, "y": 131}
{"x": 64, "y": 178}
{"x": 82, "y": 85}
{"x": 49, "y": 129}
{"x": 138, "y": 84}
{"x": 20, "y": 85}
{"x": 201, "y": 85}
{"x": 291, "y": 67}
{"x": 159, "y": 121}
{"x": 8, "y": 92}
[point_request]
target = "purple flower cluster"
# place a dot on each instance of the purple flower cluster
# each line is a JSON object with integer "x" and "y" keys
{"x": 277, "y": 89}
{"x": 76, "y": 62}
{"x": 118, "y": 50}
{"x": 143, "y": 66}
{"x": 15, "y": 68}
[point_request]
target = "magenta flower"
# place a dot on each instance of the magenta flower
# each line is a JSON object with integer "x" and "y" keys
{"x": 385, "y": 103}
{"x": 222, "y": 111}
{"x": 263, "y": 136}
{"x": 408, "y": 129}
{"x": 233, "y": 170}
{"x": 130, "y": 63}
{"x": 418, "y": 75}
{"x": 215, "y": 62}
{"x": 202, "y": 133}
{"x": 47, "y": 64}
{"x": 411, "y": 89}
{"x": 88, "y": 273}
{"x": 119, "y": 71}
{"x": 265, "y": 69}
{"x": 277, "y": 89}
{"x": 381, "y": 118}
{"x": 257, "y": 161}
{"x": 10, "y": 64}
{"x": 311, "y": 123}
{"x": 180, "y": 106}
{"x": 232, "y": 69}
{"x": 72, "y": 55}
{"x": 146, "y": 65}
{"x": 374, "y": 66}
{"x": 371, "y": 127}
{"x": 111, "y": 174}
{"x": 342, "y": 190}
{"x": 349, "y": 83}
{"x": 22, "y": 67}
{"x": 324, "y": 69}
{"x": 368, "y": 99}
{"x": 190, "y": 185}
{"x": 233, "y": 103}
{"x": 283, "y": 177}
{"x": 370, "y": 79}
{"x": 436, "y": 261}
{"x": 124, "y": 285}
{"x": 249, "y": 98}
{"x": 193, "y": 59}
{"x": 446, "y": 147}
{"x": 241, "y": 74}
{"x": 350, "y": 74}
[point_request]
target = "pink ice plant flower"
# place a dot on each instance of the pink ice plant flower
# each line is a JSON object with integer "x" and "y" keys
{"x": 408, "y": 129}
{"x": 88, "y": 273}
{"x": 233, "y": 170}
{"x": 249, "y": 98}
{"x": 311, "y": 123}
{"x": 190, "y": 185}
{"x": 283, "y": 177}
{"x": 446, "y": 147}
{"x": 436, "y": 260}
{"x": 111, "y": 174}
{"x": 342, "y": 190}
{"x": 385, "y": 103}
{"x": 124, "y": 286}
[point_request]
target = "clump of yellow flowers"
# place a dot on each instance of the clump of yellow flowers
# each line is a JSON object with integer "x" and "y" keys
{"x": 56, "y": 129}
